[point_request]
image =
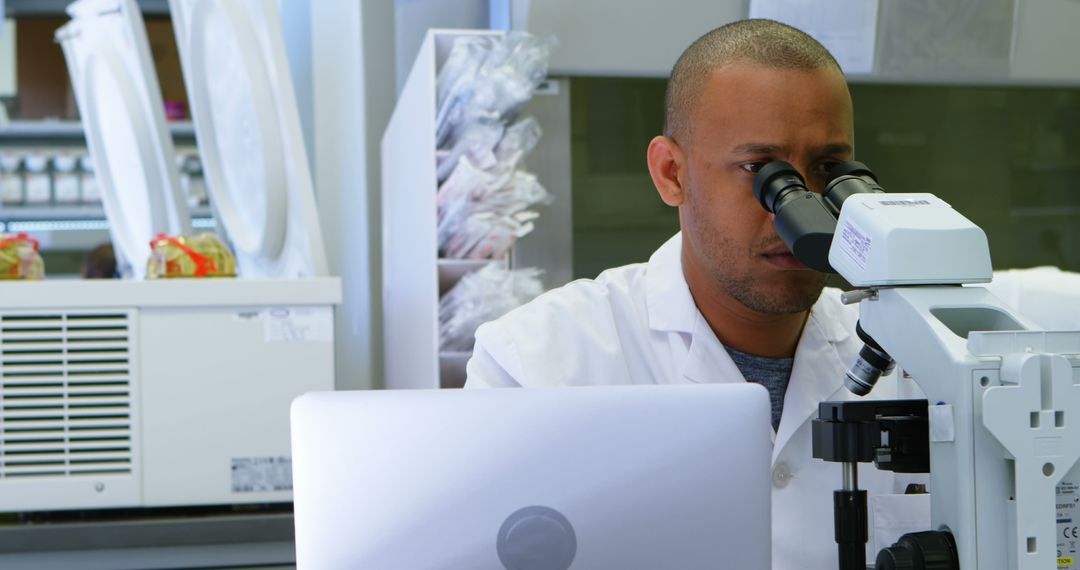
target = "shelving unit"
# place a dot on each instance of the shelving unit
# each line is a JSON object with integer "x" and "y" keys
{"x": 20, "y": 8}
{"x": 73, "y": 226}
{"x": 413, "y": 276}
{"x": 72, "y": 131}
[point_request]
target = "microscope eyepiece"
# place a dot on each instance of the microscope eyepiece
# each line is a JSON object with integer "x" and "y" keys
{"x": 846, "y": 179}
{"x": 776, "y": 183}
{"x": 803, "y": 221}
{"x": 872, "y": 363}
{"x": 851, "y": 168}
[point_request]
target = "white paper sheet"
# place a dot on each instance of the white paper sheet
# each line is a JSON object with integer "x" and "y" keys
{"x": 847, "y": 28}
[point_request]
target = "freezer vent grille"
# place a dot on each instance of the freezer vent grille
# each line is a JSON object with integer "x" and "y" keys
{"x": 65, "y": 397}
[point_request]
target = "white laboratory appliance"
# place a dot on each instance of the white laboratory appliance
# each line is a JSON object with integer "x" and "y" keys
{"x": 129, "y": 393}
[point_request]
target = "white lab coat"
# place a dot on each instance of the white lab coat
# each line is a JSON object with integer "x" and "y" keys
{"x": 638, "y": 325}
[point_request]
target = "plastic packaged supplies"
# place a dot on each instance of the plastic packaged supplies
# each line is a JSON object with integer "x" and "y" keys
{"x": 482, "y": 296}
{"x": 484, "y": 200}
{"x": 482, "y": 213}
{"x": 487, "y": 76}
{"x": 202, "y": 255}
{"x": 20, "y": 258}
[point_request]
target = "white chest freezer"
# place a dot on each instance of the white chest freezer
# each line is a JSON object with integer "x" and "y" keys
{"x": 134, "y": 393}
{"x": 128, "y": 393}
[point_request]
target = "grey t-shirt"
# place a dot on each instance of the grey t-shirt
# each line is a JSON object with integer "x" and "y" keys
{"x": 772, "y": 373}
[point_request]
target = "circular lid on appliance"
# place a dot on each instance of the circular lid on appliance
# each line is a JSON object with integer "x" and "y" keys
{"x": 238, "y": 126}
{"x": 121, "y": 135}
{"x": 119, "y": 99}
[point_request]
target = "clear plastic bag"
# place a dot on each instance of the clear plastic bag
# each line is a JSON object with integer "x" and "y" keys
{"x": 487, "y": 78}
{"x": 484, "y": 201}
{"x": 517, "y": 140}
{"x": 512, "y": 71}
{"x": 482, "y": 213}
{"x": 478, "y": 141}
{"x": 482, "y": 296}
{"x": 454, "y": 82}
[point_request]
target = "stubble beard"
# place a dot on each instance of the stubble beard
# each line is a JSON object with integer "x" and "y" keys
{"x": 794, "y": 295}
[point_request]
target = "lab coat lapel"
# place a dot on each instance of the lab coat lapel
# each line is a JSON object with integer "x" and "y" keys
{"x": 708, "y": 361}
{"x": 817, "y": 374}
{"x": 672, "y": 311}
{"x": 668, "y": 300}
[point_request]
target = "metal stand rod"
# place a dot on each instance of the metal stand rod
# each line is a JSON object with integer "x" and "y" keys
{"x": 849, "y": 511}
{"x": 851, "y": 476}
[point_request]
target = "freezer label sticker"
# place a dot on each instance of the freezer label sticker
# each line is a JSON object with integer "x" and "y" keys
{"x": 298, "y": 324}
{"x": 261, "y": 474}
{"x": 855, "y": 243}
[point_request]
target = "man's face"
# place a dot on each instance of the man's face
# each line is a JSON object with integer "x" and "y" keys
{"x": 747, "y": 116}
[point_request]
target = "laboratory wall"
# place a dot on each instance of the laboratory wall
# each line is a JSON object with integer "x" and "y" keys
{"x": 413, "y": 18}
{"x": 1007, "y": 156}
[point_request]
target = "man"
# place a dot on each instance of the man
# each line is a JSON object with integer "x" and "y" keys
{"x": 724, "y": 300}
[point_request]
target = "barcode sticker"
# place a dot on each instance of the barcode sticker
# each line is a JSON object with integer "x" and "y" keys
{"x": 261, "y": 474}
{"x": 904, "y": 203}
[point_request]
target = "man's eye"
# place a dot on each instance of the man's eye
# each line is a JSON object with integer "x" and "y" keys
{"x": 753, "y": 167}
{"x": 824, "y": 169}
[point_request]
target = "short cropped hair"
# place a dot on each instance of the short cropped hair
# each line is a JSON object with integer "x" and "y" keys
{"x": 763, "y": 42}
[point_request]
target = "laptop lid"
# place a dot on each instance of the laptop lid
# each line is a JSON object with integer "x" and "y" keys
{"x": 585, "y": 477}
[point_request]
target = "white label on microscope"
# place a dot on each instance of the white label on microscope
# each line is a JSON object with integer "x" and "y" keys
{"x": 855, "y": 243}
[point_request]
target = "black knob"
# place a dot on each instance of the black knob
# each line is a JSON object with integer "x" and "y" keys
{"x": 895, "y": 558}
{"x": 930, "y": 550}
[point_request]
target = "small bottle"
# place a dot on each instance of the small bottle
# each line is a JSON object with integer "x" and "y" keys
{"x": 38, "y": 181}
{"x": 65, "y": 178}
{"x": 91, "y": 193}
{"x": 191, "y": 179}
{"x": 11, "y": 184}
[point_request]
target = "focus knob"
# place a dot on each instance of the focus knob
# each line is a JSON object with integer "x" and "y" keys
{"x": 930, "y": 550}
{"x": 895, "y": 558}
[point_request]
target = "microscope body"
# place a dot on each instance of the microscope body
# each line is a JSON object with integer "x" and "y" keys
{"x": 1004, "y": 397}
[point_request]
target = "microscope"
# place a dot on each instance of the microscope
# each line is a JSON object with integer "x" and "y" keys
{"x": 999, "y": 432}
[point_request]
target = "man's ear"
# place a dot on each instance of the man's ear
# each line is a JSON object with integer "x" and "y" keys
{"x": 666, "y": 166}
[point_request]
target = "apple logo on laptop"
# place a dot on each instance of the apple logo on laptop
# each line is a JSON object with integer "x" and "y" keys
{"x": 536, "y": 538}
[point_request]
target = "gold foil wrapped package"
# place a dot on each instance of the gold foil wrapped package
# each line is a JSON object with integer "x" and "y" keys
{"x": 203, "y": 255}
{"x": 20, "y": 258}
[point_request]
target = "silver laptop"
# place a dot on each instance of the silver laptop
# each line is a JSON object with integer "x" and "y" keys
{"x": 627, "y": 477}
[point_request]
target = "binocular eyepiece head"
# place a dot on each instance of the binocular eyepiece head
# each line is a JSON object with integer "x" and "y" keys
{"x": 778, "y": 182}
